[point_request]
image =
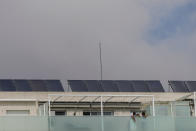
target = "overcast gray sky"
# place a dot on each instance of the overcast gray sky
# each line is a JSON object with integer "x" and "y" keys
{"x": 153, "y": 39}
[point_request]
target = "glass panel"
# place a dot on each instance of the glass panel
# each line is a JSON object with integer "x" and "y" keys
{"x": 12, "y": 123}
{"x": 182, "y": 109}
{"x": 160, "y": 110}
{"x": 116, "y": 123}
{"x": 109, "y": 123}
{"x": 75, "y": 123}
{"x": 185, "y": 123}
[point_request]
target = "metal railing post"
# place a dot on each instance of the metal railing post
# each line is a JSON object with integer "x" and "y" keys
{"x": 49, "y": 106}
{"x": 44, "y": 109}
{"x": 194, "y": 104}
{"x": 102, "y": 123}
{"x": 101, "y": 106}
{"x": 171, "y": 109}
{"x": 153, "y": 108}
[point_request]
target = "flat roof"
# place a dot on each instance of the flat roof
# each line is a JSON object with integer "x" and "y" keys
{"x": 79, "y": 96}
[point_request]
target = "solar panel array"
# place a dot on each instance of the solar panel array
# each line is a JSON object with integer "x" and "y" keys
{"x": 95, "y": 84}
{"x": 125, "y": 86}
{"x": 155, "y": 86}
{"x": 115, "y": 86}
{"x": 22, "y": 85}
{"x": 183, "y": 86}
{"x": 191, "y": 85}
{"x": 31, "y": 85}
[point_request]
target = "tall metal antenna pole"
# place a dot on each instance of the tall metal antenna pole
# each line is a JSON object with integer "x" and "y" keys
{"x": 100, "y": 58}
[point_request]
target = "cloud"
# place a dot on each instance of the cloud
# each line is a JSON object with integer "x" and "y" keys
{"x": 178, "y": 20}
{"x": 59, "y": 39}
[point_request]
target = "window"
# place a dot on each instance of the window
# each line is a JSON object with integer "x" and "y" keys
{"x": 17, "y": 112}
{"x": 60, "y": 113}
{"x": 108, "y": 113}
{"x": 97, "y": 113}
{"x": 86, "y": 113}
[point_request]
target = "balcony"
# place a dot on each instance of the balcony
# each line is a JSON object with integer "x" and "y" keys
{"x": 65, "y": 123}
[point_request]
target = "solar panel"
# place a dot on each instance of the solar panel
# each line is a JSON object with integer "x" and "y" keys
{"x": 155, "y": 86}
{"x": 54, "y": 85}
{"x": 7, "y": 85}
{"x": 77, "y": 86}
{"x": 22, "y": 85}
{"x": 93, "y": 86}
{"x": 178, "y": 86}
{"x": 37, "y": 85}
{"x": 140, "y": 86}
{"x": 124, "y": 86}
{"x": 109, "y": 86}
{"x": 191, "y": 85}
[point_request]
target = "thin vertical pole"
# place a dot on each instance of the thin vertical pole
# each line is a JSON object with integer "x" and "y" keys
{"x": 171, "y": 108}
{"x": 194, "y": 104}
{"x": 100, "y": 60}
{"x": 37, "y": 107}
{"x": 102, "y": 123}
{"x": 153, "y": 108}
{"x": 49, "y": 112}
{"x": 153, "y": 113}
{"x": 101, "y": 106}
{"x": 49, "y": 121}
{"x": 44, "y": 109}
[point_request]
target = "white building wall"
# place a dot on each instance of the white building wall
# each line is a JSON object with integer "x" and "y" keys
{"x": 122, "y": 113}
{"x": 7, "y": 105}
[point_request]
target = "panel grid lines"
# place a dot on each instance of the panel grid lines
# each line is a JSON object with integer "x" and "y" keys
{"x": 23, "y": 85}
{"x": 115, "y": 86}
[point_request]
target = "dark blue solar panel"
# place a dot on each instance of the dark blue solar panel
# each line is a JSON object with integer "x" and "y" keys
{"x": 109, "y": 86}
{"x": 155, "y": 86}
{"x": 77, "y": 86}
{"x": 191, "y": 85}
{"x": 7, "y": 85}
{"x": 93, "y": 86}
{"x": 178, "y": 86}
{"x": 54, "y": 85}
{"x": 140, "y": 86}
{"x": 124, "y": 86}
{"x": 22, "y": 85}
{"x": 37, "y": 85}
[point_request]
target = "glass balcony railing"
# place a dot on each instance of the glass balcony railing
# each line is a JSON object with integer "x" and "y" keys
{"x": 97, "y": 124}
